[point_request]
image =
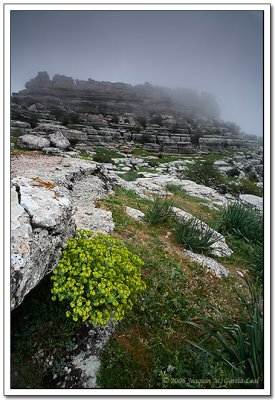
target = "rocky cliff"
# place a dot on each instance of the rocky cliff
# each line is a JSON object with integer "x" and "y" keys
{"x": 161, "y": 119}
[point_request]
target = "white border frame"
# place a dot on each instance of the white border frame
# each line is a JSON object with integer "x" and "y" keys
{"x": 111, "y": 5}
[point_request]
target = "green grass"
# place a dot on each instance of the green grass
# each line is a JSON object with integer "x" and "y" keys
{"x": 105, "y": 155}
{"x": 154, "y": 334}
{"x": 166, "y": 158}
{"x": 194, "y": 205}
{"x": 140, "y": 151}
{"x": 85, "y": 155}
{"x": 176, "y": 190}
{"x": 147, "y": 169}
{"x": 238, "y": 344}
{"x": 117, "y": 201}
{"x": 109, "y": 152}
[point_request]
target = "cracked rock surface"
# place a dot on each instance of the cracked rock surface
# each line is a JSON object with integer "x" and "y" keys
{"x": 41, "y": 222}
{"x": 51, "y": 197}
{"x": 86, "y": 215}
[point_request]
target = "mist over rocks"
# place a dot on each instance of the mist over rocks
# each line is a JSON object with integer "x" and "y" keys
{"x": 178, "y": 121}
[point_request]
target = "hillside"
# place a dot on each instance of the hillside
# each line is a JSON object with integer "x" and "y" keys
{"x": 136, "y": 241}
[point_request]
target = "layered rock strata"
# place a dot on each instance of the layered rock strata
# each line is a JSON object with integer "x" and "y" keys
{"x": 160, "y": 119}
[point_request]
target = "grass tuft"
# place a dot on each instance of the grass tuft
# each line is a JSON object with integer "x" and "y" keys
{"x": 159, "y": 211}
{"x": 195, "y": 235}
{"x": 243, "y": 221}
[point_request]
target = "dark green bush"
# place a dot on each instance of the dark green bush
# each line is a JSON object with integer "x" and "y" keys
{"x": 248, "y": 187}
{"x": 243, "y": 221}
{"x": 205, "y": 173}
{"x": 233, "y": 172}
{"x": 157, "y": 119}
{"x": 65, "y": 117}
{"x": 102, "y": 157}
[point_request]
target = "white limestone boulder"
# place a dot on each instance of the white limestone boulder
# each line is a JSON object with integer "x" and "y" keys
{"x": 58, "y": 140}
{"x": 252, "y": 200}
{"x": 33, "y": 142}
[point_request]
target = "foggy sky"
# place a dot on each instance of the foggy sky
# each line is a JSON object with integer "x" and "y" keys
{"x": 216, "y": 51}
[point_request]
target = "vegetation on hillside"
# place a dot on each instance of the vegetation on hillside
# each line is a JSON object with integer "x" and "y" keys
{"x": 187, "y": 329}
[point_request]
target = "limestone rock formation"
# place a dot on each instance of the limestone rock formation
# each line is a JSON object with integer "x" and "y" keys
{"x": 134, "y": 213}
{"x": 212, "y": 265}
{"x": 33, "y": 142}
{"x": 63, "y": 81}
{"x": 42, "y": 80}
{"x": 58, "y": 140}
{"x": 252, "y": 200}
{"x": 161, "y": 119}
{"x": 46, "y": 212}
{"x": 41, "y": 222}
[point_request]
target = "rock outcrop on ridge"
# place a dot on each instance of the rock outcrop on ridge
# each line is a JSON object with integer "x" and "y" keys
{"x": 95, "y": 113}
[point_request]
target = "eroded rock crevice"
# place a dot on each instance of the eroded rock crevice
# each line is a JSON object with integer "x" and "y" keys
{"x": 45, "y": 214}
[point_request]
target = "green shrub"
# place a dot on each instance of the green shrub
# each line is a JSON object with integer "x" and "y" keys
{"x": 98, "y": 278}
{"x": 102, "y": 158}
{"x": 153, "y": 163}
{"x": 244, "y": 186}
{"x": 233, "y": 172}
{"x": 243, "y": 221}
{"x": 195, "y": 235}
{"x": 159, "y": 211}
{"x": 248, "y": 187}
{"x": 65, "y": 117}
{"x": 239, "y": 344}
{"x": 130, "y": 176}
{"x": 205, "y": 173}
{"x": 157, "y": 119}
{"x": 17, "y": 133}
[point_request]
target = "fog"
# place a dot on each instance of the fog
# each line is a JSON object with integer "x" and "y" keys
{"x": 220, "y": 52}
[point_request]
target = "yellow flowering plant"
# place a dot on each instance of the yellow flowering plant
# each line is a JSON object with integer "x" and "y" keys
{"x": 98, "y": 277}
